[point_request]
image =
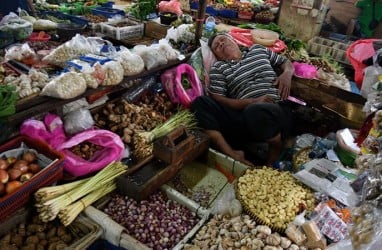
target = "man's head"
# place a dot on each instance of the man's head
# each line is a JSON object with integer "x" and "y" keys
{"x": 224, "y": 47}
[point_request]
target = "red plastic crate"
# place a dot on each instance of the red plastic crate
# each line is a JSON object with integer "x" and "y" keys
{"x": 47, "y": 176}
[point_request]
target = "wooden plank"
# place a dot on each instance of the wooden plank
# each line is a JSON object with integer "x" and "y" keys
{"x": 317, "y": 93}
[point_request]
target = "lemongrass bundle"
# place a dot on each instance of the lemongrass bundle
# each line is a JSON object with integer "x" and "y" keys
{"x": 181, "y": 118}
{"x": 69, "y": 213}
{"x": 47, "y": 193}
{"x": 49, "y": 210}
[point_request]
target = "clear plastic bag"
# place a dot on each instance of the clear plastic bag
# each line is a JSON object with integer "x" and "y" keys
{"x": 67, "y": 85}
{"x": 77, "y": 121}
{"x": 113, "y": 73}
{"x": 13, "y": 24}
{"x": 72, "y": 49}
{"x": 227, "y": 204}
{"x": 132, "y": 63}
{"x": 19, "y": 52}
{"x": 371, "y": 74}
{"x": 150, "y": 55}
{"x": 165, "y": 48}
{"x": 366, "y": 230}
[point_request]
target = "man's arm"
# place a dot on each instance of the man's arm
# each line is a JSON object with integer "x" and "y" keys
{"x": 284, "y": 80}
{"x": 239, "y": 104}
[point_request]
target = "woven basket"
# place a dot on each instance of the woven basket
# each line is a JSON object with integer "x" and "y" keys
{"x": 301, "y": 157}
{"x": 82, "y": 225}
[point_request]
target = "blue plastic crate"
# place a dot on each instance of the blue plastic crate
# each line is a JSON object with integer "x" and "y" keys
{"x": 194, "y": 5}
{"x": 63, "y": 16}
{"x": 108, "y": 4}
{"x": 228, "y": 13}
{"x": 211, "y": 11}
{"x": 107, "y": 12}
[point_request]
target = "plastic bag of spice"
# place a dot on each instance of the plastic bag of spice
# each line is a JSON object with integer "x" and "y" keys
{"x": 111, "y": 149}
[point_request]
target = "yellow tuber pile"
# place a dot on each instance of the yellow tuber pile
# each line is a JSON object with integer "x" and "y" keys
{"x": 274, "y": 197}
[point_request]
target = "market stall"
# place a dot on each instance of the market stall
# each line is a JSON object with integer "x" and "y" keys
{"x": 99, "y": 146}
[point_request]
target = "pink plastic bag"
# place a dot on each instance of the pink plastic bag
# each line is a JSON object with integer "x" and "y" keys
{"x": 112, "y": 150}
{"x": 172, "y": 83}
{"x": 51, "y": 130}
{"x": 304, "y": 70}
{"x": 172, "y": 6}
{"x": 356, "y": 53}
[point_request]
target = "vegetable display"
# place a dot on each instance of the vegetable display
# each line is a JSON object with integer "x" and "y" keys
{"x": 158, "y": 222}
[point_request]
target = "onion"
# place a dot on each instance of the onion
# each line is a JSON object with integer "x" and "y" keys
{"x": 14, "y": 174}
{"x": 2, "y": 189}
{"x": 29, "y": 156}
{"x": 25, "y": 177}
{"x": 12, "y": 186}
{"x": 4, "y": 176}
{"x": 11, "y": 160}
{"x": 34, "y": 168}
{"x": 3, "y": 164}
{"x": 21, "y": 165}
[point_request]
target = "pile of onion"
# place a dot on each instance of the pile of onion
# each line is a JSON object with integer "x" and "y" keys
{"x": 158, "y": 222}
{"x": 15, "y": 171}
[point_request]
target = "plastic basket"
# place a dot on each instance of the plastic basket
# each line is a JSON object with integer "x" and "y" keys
{"x": 346, "y": 154}
{"x": 228, "y": 13}
{"x": 211, "y": 11}
{"x": 107, "y": 12}
{"x": 50, "y": 174}
{"x": 63, "y": 16}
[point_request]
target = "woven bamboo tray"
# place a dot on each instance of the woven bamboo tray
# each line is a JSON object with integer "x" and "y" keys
{"x": 301, "y": 157}
{"x": 253, "y": 215}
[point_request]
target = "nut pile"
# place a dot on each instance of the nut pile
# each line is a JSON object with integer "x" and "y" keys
{"x": 273, "y": 196}
{"x": 240, "y": 232}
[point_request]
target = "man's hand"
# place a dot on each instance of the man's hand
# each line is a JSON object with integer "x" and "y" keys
{"x": 238, "y": 155}
{"x": 284, "y": 84}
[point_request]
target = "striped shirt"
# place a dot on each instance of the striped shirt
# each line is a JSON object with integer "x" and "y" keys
{"x": 251, "y": 77}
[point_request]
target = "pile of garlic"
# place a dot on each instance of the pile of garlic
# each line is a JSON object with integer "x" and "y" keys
{"x": 241, "y": 233}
